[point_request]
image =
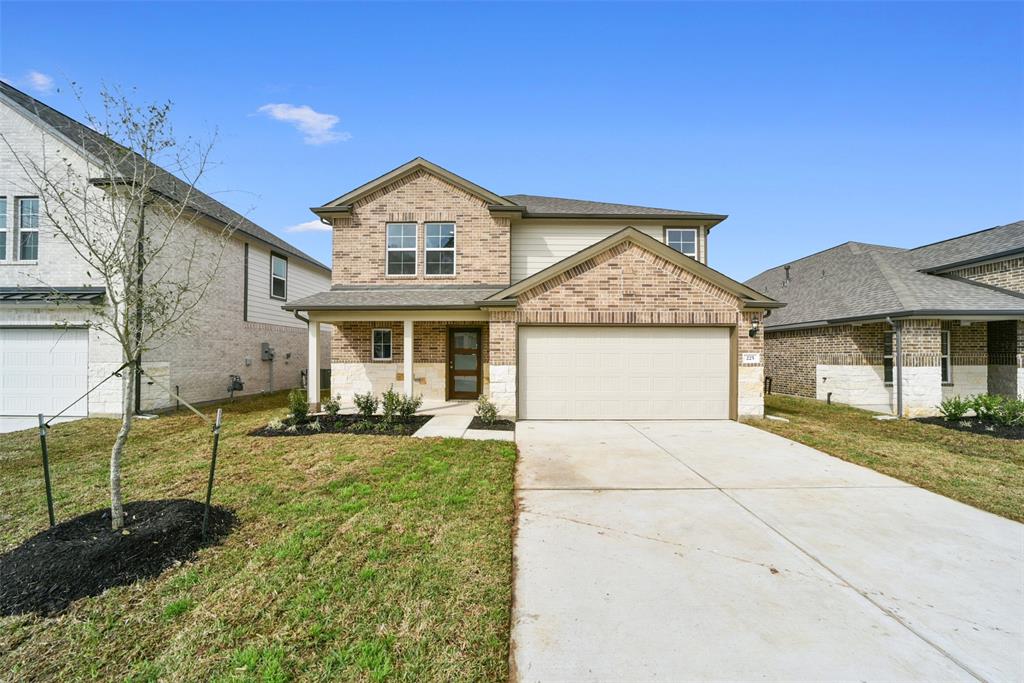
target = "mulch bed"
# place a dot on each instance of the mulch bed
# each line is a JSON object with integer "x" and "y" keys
{"x": 497, "y": 426}
{"x": 975, "y": 426}
{"x": 349, "y": 424}
{"x": 83, "y": 557}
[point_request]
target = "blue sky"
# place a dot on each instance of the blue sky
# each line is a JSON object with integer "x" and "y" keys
{"x": 810, "y": 124}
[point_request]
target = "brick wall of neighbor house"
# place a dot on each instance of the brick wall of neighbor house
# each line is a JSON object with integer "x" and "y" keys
{"x": 1006, "y": 357}
{"x": 1008, "y": 273}
{"x": 481, "y": 244}
{"x": 968, "y": 348}
{"x": 354, "y": 372}
{"x": 628, "y": 285}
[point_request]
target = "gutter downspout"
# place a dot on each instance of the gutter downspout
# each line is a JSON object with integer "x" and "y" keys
{"x": 898, "y": 353}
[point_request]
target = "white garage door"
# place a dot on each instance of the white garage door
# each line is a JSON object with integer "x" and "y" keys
{"x": 624, "y": 373}
{"x": 42, "y": 370}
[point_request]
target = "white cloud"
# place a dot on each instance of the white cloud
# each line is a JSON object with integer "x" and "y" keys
{"x": 309, "y": 226}
{"x": 39, "y": 82}
{"x": 318, "y": 128}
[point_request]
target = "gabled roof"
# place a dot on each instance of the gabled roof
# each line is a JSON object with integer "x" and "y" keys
{"x": 856, "y": 281}
{"x": 536, "y": 206}
{"x": 751, "y": 297}
{"x": 343, "y": 202}
{"x": 992, "y": 243}
{"x": 81, "y": 136}
{"x": 393, "y": 297}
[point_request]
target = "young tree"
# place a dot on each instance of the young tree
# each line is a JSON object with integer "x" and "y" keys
{"x": 141, "y": 230}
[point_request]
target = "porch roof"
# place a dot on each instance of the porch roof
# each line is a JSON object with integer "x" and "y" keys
{"x": 392, "y": 297}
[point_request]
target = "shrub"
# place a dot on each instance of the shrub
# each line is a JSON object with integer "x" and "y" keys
{"x": 408, "y": 405}
{"x": 366, "y": 404}
{"x": 486, "y": 411}
{"x": 332, "y": 407}
{"x": 315, "y": 426}
{"x": 955, "y": 408}
{"x": 298, "y": 405}
{"x": 1010, "y": 413}
{"x": 986, "y": 406}
{"x": 275, "y": 425}
{"x": 390, "y": 401}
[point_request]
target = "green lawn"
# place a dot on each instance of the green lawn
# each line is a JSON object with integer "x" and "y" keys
{"x": 982, "y": 471}
{"x": 356, "y": 557}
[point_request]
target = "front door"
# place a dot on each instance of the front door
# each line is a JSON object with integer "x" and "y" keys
{"x": 464, "y": 371}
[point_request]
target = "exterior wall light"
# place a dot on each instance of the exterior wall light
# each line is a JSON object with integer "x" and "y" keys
{"x": 754, "y": 325}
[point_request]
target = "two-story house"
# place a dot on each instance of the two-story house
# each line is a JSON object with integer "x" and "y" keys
{"x": 553, "y": 308}
{"x": 51, "y": 352}
{"x": 898, "y": 330}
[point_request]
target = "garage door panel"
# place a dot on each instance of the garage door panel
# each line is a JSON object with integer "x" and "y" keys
{"x": 43, "y": 370}
{"x": 624, "y": 372}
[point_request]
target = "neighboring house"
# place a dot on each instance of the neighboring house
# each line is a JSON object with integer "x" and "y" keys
{"x": 946, "y": 318}
{"x": 553, "y": 308}
{"x": 49, "y": 356}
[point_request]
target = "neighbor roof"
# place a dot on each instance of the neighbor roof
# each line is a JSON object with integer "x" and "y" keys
{"x": 372, "y": 297}
{"x": 856, "y": 281}
{"x": 167, "y": 183}
{"x": 991, "y": 243}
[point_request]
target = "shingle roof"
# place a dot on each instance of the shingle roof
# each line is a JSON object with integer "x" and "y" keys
{"x": 165, "y": 182}
{"x": 999, "y": 240}
{"x": 861, "y": 281}
{"x": 370, "y": 297}
{"x": 538, "y": 205}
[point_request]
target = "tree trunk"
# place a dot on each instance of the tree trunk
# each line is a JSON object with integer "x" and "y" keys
{"x": 116, "y": 504}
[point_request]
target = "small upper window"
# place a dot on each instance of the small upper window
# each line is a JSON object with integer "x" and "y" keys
{"x": 401, "y": 248}
{"x": 439, "y": 251}
{"x": 3, "y": 228}
{"x": 382, "y": 344}
{"x": 278, "y": 276}
{"x": 28, "y": 228}
{"x": 683, "y": 240}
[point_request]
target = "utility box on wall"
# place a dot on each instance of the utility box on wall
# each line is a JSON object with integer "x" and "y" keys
{"x": 266, "y": 352}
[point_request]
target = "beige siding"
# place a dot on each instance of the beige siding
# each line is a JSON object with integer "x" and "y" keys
{"x": 303, "y": 280}
{"x": 539, "y": 244}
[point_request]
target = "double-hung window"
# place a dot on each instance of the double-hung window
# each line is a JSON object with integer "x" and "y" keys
{"x": 683, "y": 240}
{"x": 887, "y": 357}
{"x": 382, "y": 344}
{"x": 401, "y": 248}
{"x": 944, "y": 359}
{"x": 3, "y": 228}
{"x": 278, "y": 277}
{"x": 439, "y": 251}
{"x": 28, "y": 228}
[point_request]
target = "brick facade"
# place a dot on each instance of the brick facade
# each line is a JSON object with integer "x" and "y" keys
{"x": 351, "y": 341}
{"x": 481, "y": 240}
{"x": 1008, "y": 274}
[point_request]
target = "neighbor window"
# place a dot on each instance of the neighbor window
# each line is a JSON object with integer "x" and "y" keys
{"x": 683, "y": 240}
{"x": 439, "y": 252}
{"x": 887, "y": 357}
{"x": 28, "y": 228}
{"x": 401, "y": 241}
{"x": 3, "y": 228}
{"x": 382, "y": 345}
{"x": 944, "y": 360}
{"x": 278, "y": 276}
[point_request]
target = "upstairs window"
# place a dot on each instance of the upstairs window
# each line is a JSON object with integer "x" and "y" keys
{"x": 401, "y": 248}
{"x": 28, "y": 228}
{"x": 3, "y": 228}
{"x": 278, "y": 277}
{"x": 683, "y": 240}
{"x": 439, "y": 252}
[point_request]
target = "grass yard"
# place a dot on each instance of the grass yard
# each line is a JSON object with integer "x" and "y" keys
{"x": 982, "y": 471}
{"x": 355, "y": 557}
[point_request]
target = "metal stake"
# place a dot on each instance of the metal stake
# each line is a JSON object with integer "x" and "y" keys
{"x": 46, "y": 469}
{"x": 213, "y": 466}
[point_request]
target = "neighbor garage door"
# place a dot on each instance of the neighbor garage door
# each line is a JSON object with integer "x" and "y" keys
{"x": 623, "y": 373}
{"x": 42, "y": 371}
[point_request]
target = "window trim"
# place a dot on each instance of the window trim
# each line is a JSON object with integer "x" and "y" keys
{"x": 696, "y": 240}
{"x": 373, "y": 344}
{"x": 15, "y": 242}
{"x": 947, "y": 357}
{"x": 452, "y": 249}
{"x": 273, "y": 255}
{"x": 415, "y": 250}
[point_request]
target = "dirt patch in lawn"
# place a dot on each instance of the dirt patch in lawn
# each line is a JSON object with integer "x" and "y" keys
{"x": 976, "y": 426}
{"x": 345, "y": 424}
{"x": 83, "y": 557}
{"x": 497, "y": 425}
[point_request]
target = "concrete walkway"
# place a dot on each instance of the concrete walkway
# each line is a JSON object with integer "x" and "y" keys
{"x": 457, "y": 426}
{"x": 676, "y": 551}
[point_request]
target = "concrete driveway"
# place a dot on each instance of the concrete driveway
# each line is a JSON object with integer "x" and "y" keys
{"x": 676, "y": 551}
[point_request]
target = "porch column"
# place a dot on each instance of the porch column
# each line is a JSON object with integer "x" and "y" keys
{"x": 407, "y": 357}
{"x": 313, "y": 373}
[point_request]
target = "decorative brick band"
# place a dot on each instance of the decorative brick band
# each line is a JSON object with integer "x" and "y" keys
{"x": 590, "y": 317}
